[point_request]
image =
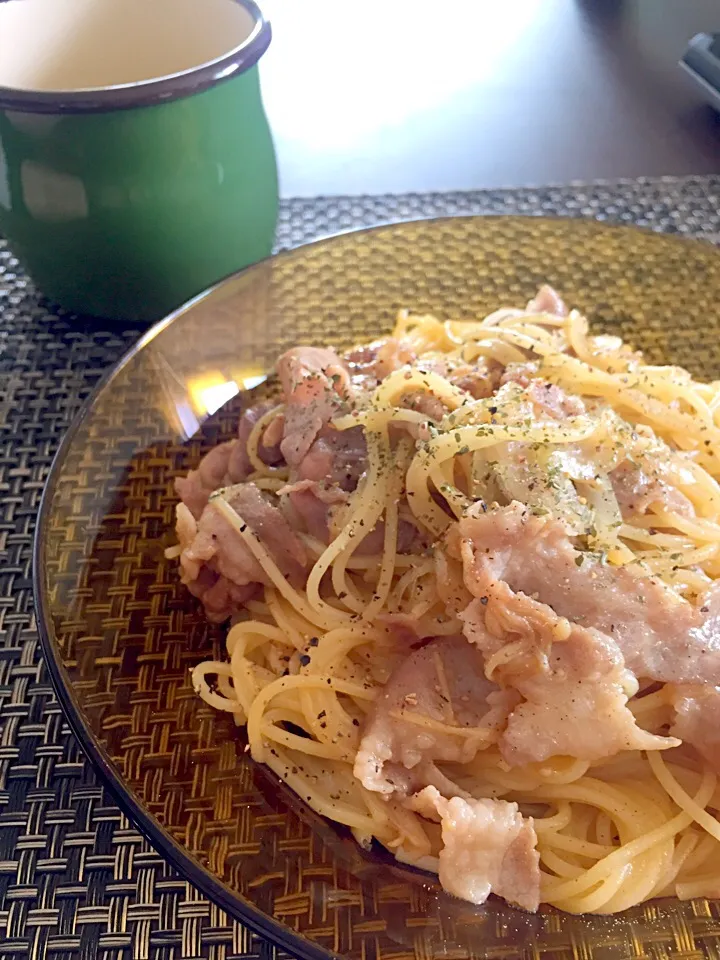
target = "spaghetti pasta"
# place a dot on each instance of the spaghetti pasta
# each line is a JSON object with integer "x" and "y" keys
{"x": 616, "y": 464}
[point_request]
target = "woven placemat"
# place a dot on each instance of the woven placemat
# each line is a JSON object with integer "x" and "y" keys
{"x": 76, "y": 880}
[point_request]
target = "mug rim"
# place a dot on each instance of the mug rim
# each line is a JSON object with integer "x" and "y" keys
{"x": 147, "y": 93}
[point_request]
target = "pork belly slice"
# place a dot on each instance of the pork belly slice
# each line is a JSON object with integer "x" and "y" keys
{"x": 488, "y": 847}
{"x": 212, "y": 544}
{"x": 442, "y": 683}
{"x": 697, "y": 718}
{"x": 660, "y": 635}
{"x": 315, "y": 381}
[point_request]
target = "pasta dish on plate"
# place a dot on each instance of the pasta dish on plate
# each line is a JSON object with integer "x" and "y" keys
{"x": 471, "y": 571}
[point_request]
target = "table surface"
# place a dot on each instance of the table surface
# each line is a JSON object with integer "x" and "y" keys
{"x": 77, "y": 882}
{"x": 373, "y": 96}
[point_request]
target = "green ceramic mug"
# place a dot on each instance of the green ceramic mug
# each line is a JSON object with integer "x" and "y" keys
{"x": 136, "y": 162}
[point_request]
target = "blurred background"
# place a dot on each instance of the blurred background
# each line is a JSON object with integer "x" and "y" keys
{"x": 376, "y": 96}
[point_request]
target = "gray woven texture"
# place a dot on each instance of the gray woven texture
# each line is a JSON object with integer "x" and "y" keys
{"x": 76, "y": 880}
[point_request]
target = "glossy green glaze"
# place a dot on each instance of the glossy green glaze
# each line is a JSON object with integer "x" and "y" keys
{"x": 129, "y": 212}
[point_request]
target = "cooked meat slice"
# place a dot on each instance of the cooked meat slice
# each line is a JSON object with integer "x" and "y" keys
{"x": 381, "y": 358}
{"x": 225, "y": 464}
{"x": 409, "y": 539}
{"x": 325, "y": 492}
{"x": 269, "y": 452}
{"x": 220, "y": 546}
{"x": 315, "y": 381}
{"x": 697, "y": 718}
{"x": 637, "y": 491}
{"x": 312, "y": 501}
{"x": 336, "y": 456}
{"x": 488, "y": 847}
{"x": 547, "y": 300}
{"x": 185, "y": 525}
{"x": 660, "y": 635}
{"x": 436, "y": 706}
{"x": 480, "y": 380}
{"x": 423, "y": 402}
{"x": 549, "y": 400}
{"x": 220, "y": 597}
{"x": 267, "y": 522}
{"x": 573, "y": 681}
{"x": 212, "y": 473}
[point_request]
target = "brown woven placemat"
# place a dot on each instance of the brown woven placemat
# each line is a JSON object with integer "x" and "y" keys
{"x": 76, "y": 880}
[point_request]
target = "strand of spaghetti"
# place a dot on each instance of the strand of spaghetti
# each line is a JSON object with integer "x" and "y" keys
{"x": 623, "y": 855}
{"x": 475, "y": 411}
{"x": 706, "y": 849}
{"x": 683, "y": 848}
{"x": 522, "y": 340}
{"x": 560, "y": 841}
{"x": 649, "y": 534}
{"x": 326, "y": 718}
{"x": 407, "y": 379}
{"x": 691, "y": 557}
{"x": 272, "y": 484}
{"x": 390, "y": 539}
{"x": 313, "y": 748}
{"x": 203, "y": 690}
{"x": 457, "y": 501}
{"x": 576, "y": 330}
{"x": 336, "y": 645}
{"x": 469, "y": 439}
{"x": 691, "y": 807}
{"x": 345, "y": 589}
{"x": 708, "y": 486}
{"x": 372, "y": 419}
{"x": 563, "y": 770}
{"x": 365, "y": 509}
{"x": 628, "y": 885}
{"x": 581, "y": 378}
{"x": 664, "y": 383}
{"x": 545, "y": 333}
{"x": 604, "y": 830}
{"x": 695, "y": 527}
{"x": 357, "y": 563}
{"x": 410, "y": 828}
{"x": 253, "y": 441}
{"x": 283, "y": 684}
{"x": 267, "y": 563}
{"x": 495, "y": 349}
{"x": 247, "y": 683}
{"x": 566, "y": 868}
{"x": 247, "y": 628}
{"x": 525, "y": 317}
{"x": 296, "y": 633}
{"x": 465, "y": 733}
{"x": 406, "y": 581}
{"x": 558, "y": 821}
{"x": 420, "y": 333}
{"x": 312, "y": 794}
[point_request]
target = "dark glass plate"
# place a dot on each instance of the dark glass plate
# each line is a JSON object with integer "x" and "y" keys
{"x": 120, "y": 633}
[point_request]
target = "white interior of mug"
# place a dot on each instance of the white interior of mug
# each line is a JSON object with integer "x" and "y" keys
{"x": 66, "y": 45}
